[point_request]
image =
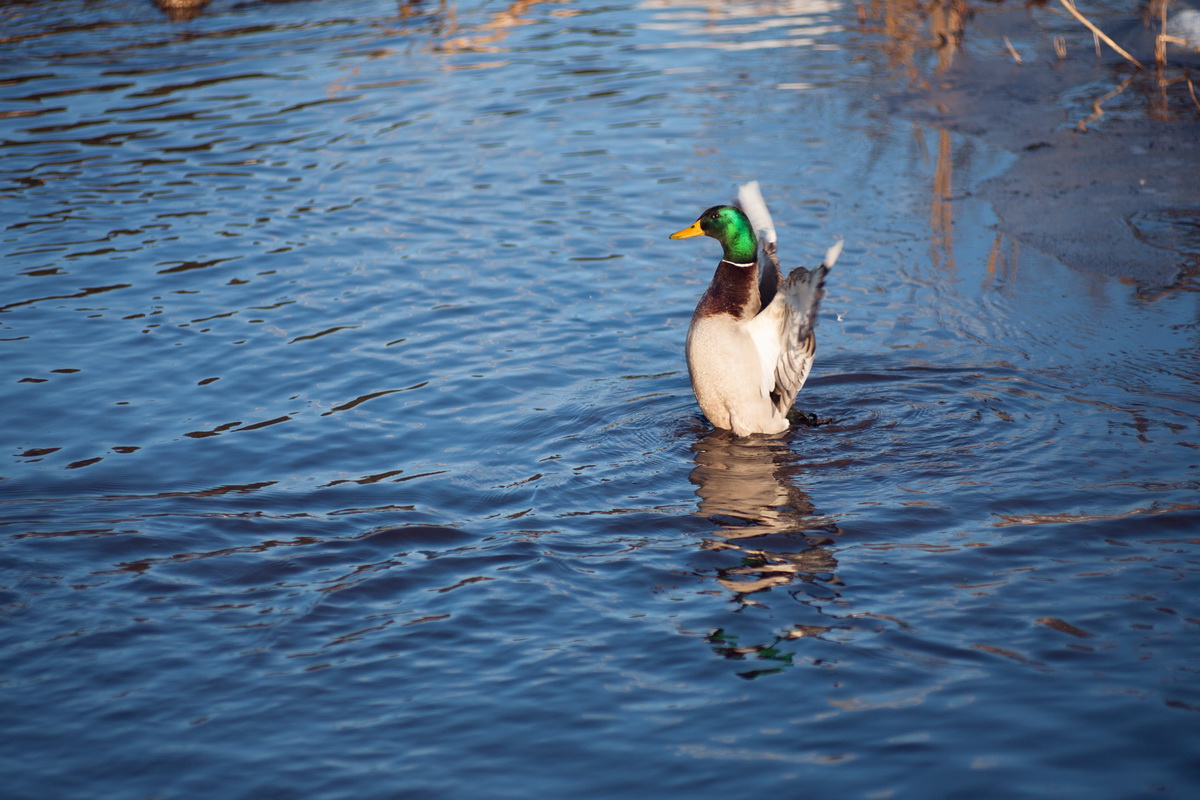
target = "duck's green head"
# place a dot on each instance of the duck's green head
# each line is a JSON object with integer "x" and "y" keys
{"x": 729, "y": 226}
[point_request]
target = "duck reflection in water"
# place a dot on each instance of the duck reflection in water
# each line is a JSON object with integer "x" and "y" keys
{"x": 777, "y": 549}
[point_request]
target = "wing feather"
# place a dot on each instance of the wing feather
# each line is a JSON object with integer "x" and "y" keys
{"x": 750, "y": 200}
{"x": 783, "y": 332}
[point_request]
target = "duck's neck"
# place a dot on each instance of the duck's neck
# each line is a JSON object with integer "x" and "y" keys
{"x": 733, "y": 291}
{"x": 740, "y": 246}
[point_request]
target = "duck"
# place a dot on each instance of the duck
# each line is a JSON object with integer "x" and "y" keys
{"x": 751, "y": 341}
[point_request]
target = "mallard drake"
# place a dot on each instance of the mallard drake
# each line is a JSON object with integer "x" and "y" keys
{"x": 750, "y": 344}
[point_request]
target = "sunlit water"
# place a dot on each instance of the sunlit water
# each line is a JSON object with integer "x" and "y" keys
{"x": 349, "y": 449}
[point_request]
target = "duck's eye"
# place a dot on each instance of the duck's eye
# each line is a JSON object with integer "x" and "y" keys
{"x": 714, "y": 216}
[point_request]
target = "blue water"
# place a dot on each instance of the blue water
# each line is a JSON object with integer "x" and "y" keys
{"x": 349, "y": 449}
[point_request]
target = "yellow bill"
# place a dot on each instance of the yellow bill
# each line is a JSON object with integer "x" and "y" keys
{"x": 688, "y": 232}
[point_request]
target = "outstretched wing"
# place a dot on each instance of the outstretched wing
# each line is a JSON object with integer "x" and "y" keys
{"x": 783, "y": 332}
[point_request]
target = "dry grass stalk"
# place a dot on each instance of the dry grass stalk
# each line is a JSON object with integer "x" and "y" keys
{"x": 1012, "y": 51}
{"x": 1160, "y": 48}
{"x": 1060, "y": 48}
{"x": 1070, "y": 7}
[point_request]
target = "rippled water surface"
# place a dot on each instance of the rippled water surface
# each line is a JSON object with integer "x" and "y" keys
{"x": 349, "y": 450}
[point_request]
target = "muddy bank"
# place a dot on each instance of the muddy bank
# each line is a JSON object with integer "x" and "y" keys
{"x": 1107, "y": 169}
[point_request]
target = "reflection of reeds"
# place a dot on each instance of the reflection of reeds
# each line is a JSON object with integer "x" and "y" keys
{"x": 912, "y": 26}
{"x": 1002, "y": 266}
{"x": 485, "y": 37}
{"x": 1098, "y": 105}
{"x": 942, "y": 212}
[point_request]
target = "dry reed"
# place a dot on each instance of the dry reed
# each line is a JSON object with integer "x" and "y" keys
{"x": 1012, "y": 51}
{"x": 1070, "y": 7}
